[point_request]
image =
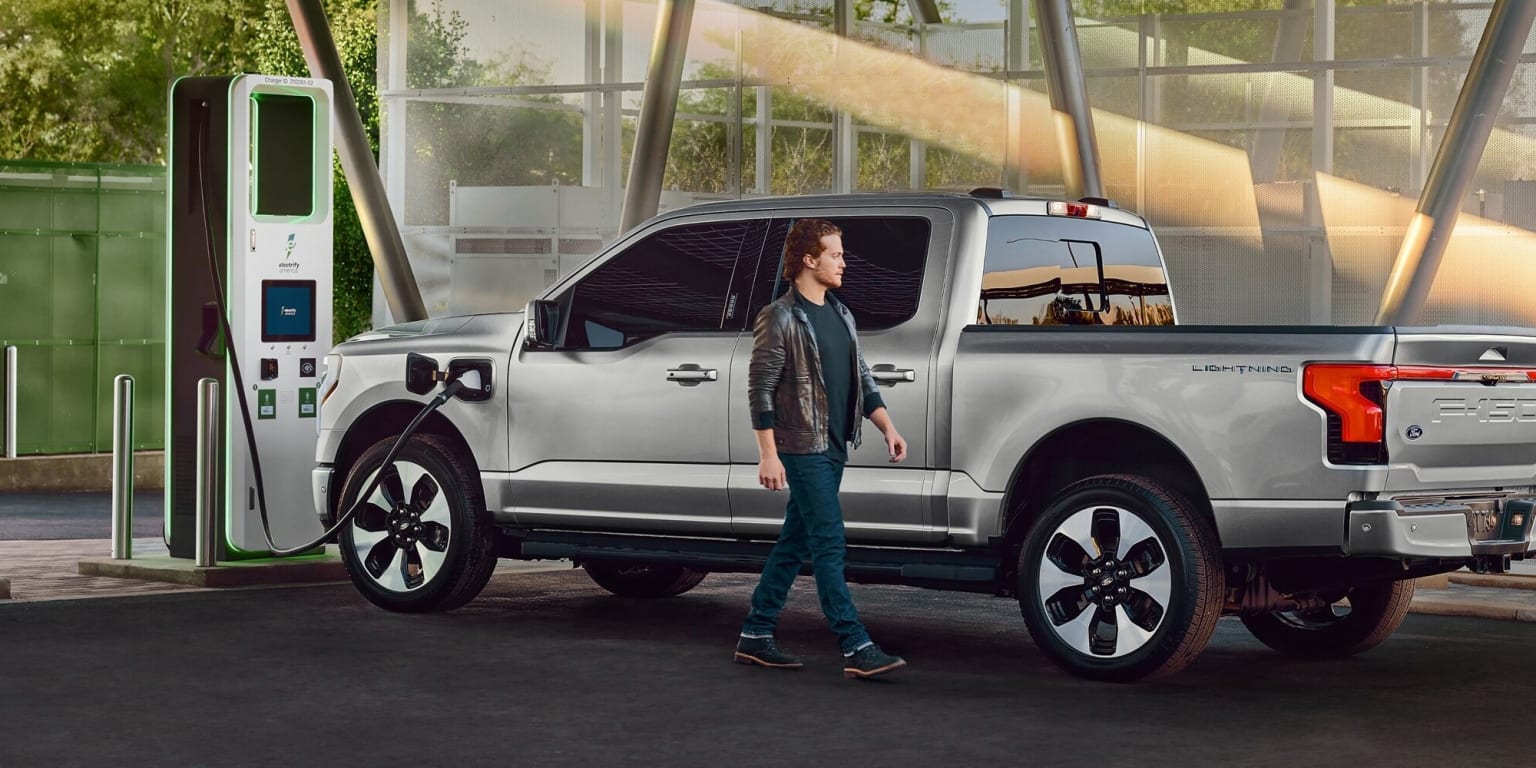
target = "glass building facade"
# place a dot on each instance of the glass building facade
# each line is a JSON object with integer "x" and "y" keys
{"x": 1278, "y": 152}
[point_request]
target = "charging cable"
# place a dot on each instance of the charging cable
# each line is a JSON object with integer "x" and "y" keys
{"x": 455, "y": 382}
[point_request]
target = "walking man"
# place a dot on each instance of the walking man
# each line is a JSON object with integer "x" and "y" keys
{"x": 810, "y": 389}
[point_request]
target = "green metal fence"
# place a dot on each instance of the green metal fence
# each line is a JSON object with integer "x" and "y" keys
{"x": 82, "y": 298}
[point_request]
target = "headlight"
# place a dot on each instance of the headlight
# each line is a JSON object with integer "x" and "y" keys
{"x": 330, "y": 378}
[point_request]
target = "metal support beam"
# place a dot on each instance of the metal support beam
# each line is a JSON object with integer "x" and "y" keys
{"x": 1418, "y": 142}
{"x": 1268, "y": 143}
{"x": 1466, "y": 136}
{"x": 1016, "y": 29}
{"x": 613, "y": 113}
{"x": 1324, "y": 16}
{"x": 925, "y": 11}
{"x": 1069, "y": 99}
{"x": 658, "y": 110}
{"x": 845, "y": 143}
{"x": 591, "y": 102}
{"x": 359, "y": 165}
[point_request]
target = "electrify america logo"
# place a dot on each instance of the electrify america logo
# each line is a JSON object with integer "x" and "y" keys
{"x": 288, "y": 264}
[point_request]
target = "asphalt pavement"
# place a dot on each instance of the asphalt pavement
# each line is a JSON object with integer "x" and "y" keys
{"x": 54, "y": 516}
{"x": 546, "y": 669}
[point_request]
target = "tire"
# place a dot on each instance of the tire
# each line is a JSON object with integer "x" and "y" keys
{"x": 643, "y": 579}
{"x": 1374, "y": 612}
{"x": 444, "y": 550}
{"x": 1143, "y": 607}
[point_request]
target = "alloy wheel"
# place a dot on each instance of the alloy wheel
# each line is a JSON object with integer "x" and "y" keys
{"x": 401, "y": 534}
{"x": 1105, "y": 582}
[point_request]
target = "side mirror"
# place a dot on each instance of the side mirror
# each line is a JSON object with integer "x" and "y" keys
{"x": 542, "y": 320}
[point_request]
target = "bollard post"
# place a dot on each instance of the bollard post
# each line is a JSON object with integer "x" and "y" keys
{"x": 207, "y": 469}
{"x": 122, "y": 467}
{"x": 11, "y": 393}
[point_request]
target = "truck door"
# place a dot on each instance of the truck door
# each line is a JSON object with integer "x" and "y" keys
{"x": 897, "y": 310}
{"x": 622, "y": 424}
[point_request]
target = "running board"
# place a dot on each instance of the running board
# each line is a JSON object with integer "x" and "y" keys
{"x": 953, "y": 569}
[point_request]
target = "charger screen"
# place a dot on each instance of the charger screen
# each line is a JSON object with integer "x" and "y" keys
{"x": 283, "y": 154}
{"x": 287, "y": 310}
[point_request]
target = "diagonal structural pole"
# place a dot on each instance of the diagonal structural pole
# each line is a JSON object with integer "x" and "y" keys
{"x": 658, "y": 110}
{"x": 1487, "y": 83}
{"x": 1069, "y": 98}
{"x": 359, "y": 165}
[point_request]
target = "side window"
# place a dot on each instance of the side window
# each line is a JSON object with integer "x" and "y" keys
{"x": 1054, "y": 271}
{"x": 883, "y": 279}
{"x": 678, "y": 279}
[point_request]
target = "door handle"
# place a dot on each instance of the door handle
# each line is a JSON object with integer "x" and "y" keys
{"x": 691, "y": 375}
{"x": 890, "y": 375}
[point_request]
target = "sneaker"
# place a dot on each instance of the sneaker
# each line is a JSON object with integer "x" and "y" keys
{"x": 763, "y": 652}
{"x": 870, "y": 661}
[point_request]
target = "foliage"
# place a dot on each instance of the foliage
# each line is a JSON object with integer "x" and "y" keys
{"x": 86, "y": 81}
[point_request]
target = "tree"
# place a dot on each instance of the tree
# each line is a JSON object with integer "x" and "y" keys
{"x": 85, "y": 81}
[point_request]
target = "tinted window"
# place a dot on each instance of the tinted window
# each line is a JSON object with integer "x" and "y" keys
{"x": 884, "y": 274}
{"x": 674, "y": 280}
{"x": 1042, "y": 270}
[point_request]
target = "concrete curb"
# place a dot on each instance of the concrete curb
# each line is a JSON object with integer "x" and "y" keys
{"x": 1436, "y": 606}
{"x": 1497, "y": 581}
{"x": 78, "y": 472}
{"x": 243, "y": 573}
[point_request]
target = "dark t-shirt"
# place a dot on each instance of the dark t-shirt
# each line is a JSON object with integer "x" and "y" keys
{"x": 835, "y": 350}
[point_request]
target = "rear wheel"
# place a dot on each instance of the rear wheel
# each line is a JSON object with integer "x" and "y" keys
{"x": 1374, "y": 612}
{"x": 422, "y": 541}
{"x": 1120, "y": 578}
{"x": 643, "y": 579}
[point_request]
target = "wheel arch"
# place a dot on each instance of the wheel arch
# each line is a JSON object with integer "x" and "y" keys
{"x": 386, "y": 420}
{"x": 1094, "y": 447}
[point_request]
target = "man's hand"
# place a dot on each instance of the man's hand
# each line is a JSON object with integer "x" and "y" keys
{"x": 895, "y": 445}
{"x": 770, "y": 472}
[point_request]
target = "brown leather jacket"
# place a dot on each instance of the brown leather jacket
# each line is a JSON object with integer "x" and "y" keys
{"x": 784, "y": 381}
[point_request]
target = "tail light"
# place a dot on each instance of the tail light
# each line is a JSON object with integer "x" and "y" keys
{"x": 1354, "y": 395}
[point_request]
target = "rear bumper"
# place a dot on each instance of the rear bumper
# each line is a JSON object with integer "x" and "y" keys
{"x": 1448, "y": 529}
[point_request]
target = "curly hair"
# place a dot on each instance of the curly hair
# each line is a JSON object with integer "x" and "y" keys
{"x": 805, "y": 238}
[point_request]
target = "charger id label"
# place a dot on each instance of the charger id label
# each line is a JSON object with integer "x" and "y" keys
{"x": 266, "y": 403}
{"x": 307, "y": 403}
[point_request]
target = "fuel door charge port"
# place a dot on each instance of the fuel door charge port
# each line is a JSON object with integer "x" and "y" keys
{"x": 459, "y": 366}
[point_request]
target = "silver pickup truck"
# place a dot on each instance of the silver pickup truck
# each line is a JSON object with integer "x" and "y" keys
{"x": 1128, "y": 480}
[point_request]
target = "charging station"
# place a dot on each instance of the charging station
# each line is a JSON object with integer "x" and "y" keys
{"x": 250, "y": 253}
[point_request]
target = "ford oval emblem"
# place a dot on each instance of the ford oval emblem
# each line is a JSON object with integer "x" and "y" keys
{"x": 1414, "y": 432}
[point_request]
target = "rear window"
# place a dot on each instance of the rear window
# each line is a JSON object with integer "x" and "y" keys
{"x": 1049, "y": 270}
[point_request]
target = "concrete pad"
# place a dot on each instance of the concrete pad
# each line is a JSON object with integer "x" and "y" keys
{"x": 241, "y": 573}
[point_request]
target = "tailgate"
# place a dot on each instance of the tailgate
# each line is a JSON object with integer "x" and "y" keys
{"x": 1462, "y": 411}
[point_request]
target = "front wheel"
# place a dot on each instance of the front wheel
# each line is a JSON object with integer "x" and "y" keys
{"x": 1374, "y": 612}
{"x": 1120, "y": 578}
{"x": 422, "y": 540}
{"x": 643, "y": 579}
